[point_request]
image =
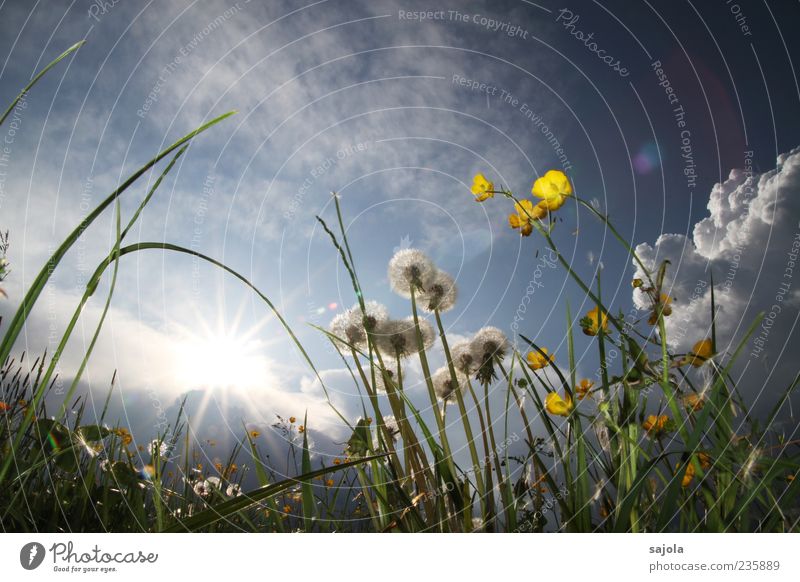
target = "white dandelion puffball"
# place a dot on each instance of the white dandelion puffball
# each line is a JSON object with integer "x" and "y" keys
{"x": 390, "y": 422}
{"x": 489, "y": 342}
{"x": 398, "y": 338}
{"x": 464, "y": 359}
{"x": 440, "y": 294}
{"x": 390, "y": 370}
{"x": 410, "y": 268}
{"x": 443, "y": 384}
{"x": 159, "y": 448}
{"x": 352, "y": 325}
{"x": 425, "y": 328}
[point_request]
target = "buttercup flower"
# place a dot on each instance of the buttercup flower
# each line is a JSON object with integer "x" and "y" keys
{"x": 440, "y": 294}
{"x": 553, "y": 188}
{"x": 663, "y": 306}
{"x": 464, "y": 358}
{"x": 656, "y": 424}
{"x": 443, "y": 384}
{"x": 254, "y": 434}
{"x": 410, "y": 268}
{"x": 594, "y": 320}
{"x": 482, "y": 188}
{"x": 526, "y": 213}
{"x": 583, "y": 388}
{"x": 4, "y": 407}
{"x": 700, "y": 354}
{"x": 688, "y": 475}
{"x": 537, "y": 361}
{"x": 557, "y": 405}
{"x": 694, "y": 401}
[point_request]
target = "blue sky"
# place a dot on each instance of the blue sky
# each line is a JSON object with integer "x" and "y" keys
{"x": 396, "y": 114}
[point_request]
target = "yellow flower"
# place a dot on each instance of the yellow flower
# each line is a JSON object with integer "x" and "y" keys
{"x": 553, "y": 188}
{"x": 688, "y": 475}
{"x": 482, "y": 188}
{"x": 701, "y": 352}
{"x": 664, "y": 306}
{"x": 301, "y": 428}
{"x": 254, "y": 434}
{"x": 292, "y": 419}
{"x": 705, "y": 464}
{"x": 287, "y": 508}
{"x": 582, "y": 389}
{"x": 594, "y": 320}
{"x": 337, "y": 461}
{"x": 329, "y": 483}
{"x": 526, "y": 214}
{"x": 655, "y": 424}
{"x": 557, "y": 405}
{"x": 694, "y": 401}
{"x": 4, "y": 407}
{"x": 537, "y": 361}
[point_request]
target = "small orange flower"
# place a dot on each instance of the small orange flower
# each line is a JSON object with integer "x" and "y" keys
{"x": 292, "y": 419}
{"x": 655, "y": 424}
{"x": 254, "y": 434}
{"x": 688, "y": 475}
{"x": 287, "y": 508}
{"x": 4, "y": 407}
{"x": 694, "y": 401}
{"x": 583, "y": 388}
{"x": 337, "y": 461}
{"x": 700, "y": 354}
{"x": 329, "y": 483}
{"x": 301, "y": 428}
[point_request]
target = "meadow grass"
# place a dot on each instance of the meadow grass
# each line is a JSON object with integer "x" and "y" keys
{"x": 659, "y": 441}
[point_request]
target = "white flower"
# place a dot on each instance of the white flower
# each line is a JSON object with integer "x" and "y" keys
{"x": 464, "y": 359}
{"x": 352, "y": 325}
{"x": 390, "y": 370}
{"x": 398, "y": 338}
{"x": 410, "y": 268}
{"x": 440, "y": 294}
{"x": 159, "y": 448}
{"x": 233, "y": 490}
{"x": 443, "y": 384}
{"x": 205, "y": 487}
{"x": 477, "y": 524}
{"x": 392, "y": 427}
{"x": 489, "y": 342}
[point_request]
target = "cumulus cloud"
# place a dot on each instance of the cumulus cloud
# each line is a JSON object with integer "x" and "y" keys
{"x": 750, "y": 242}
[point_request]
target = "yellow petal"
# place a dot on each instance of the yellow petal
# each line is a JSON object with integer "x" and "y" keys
{"x": 553, "y": 184}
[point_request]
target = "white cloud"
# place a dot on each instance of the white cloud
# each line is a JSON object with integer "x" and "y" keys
{"x": 750, "y": 242}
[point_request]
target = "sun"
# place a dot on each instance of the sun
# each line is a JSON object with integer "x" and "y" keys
{"x": 220, "y": 360}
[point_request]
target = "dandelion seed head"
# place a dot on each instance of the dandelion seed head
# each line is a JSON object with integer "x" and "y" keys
{"x": 398, "y": 338}
{"x": 490, "y": 342}
{"x": 440, "y": 294}
{"x": 353, "y": 325}
{"x": 390, "y": 422}
{"x": 464, "y": 359}
{"x": 443, "y": 384}
{"x": 410, "y": 268}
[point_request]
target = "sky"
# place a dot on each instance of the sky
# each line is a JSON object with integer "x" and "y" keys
{"x": 679, "y": 119}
